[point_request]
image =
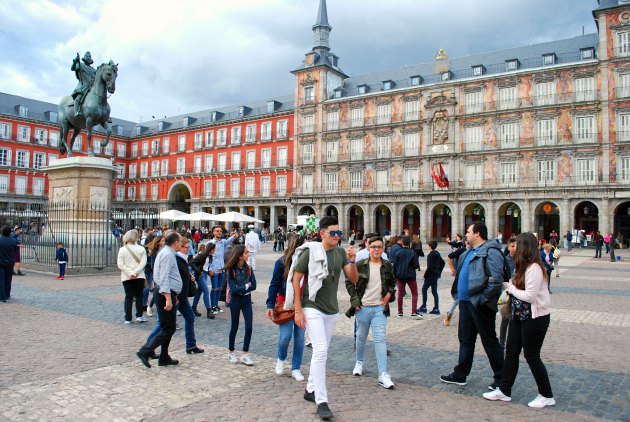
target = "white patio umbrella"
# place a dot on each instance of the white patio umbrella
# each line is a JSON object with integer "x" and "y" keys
{"x": 172, "y": 215}
{"x": 198, "y": 216}
{"x": 233, "y": 216}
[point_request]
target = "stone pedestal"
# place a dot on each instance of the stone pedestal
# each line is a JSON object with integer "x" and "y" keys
{"x": 79, "y": 209}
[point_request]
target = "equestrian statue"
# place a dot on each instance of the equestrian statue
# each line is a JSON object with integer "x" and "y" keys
{"x": 87, "y": 106}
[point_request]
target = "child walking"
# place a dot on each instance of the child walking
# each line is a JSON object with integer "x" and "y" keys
{"x": 62, "y": 260}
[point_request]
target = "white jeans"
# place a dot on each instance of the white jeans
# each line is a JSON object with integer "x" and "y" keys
{"x": 320, "y": 328}
{"x": 252, "y": 260}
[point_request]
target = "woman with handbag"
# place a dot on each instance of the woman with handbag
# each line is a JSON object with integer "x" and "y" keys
{"x": 530, "y": 303}
{"x": 131, "y": 261}
{"x": 275, "y": 303}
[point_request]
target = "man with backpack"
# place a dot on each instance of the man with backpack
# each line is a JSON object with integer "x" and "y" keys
{"x": 435, "y": 265}
{"x": 405, "y": 267}
{"x": 480, "y": 274}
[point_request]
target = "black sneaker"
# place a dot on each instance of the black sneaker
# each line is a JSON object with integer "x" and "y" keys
{"x": 309, "y": 396}
{"x": 493, "y": 386}
{"x": 450, "y": 379}
{"x": 323, "y": 411}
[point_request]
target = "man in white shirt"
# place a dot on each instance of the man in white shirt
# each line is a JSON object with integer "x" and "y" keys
{"x": 252, "y": 244}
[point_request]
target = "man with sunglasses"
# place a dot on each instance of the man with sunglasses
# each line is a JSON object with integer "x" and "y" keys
{"x": 320, "y": 315}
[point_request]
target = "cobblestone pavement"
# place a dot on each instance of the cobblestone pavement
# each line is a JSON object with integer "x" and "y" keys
{"x": 66, "y": 355}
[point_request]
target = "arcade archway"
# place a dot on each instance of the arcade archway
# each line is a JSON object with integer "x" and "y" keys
{"x": 382, "y": 219}
{"x": 441, "y": 222}
{"x": 547, "y": 218}
{"x": 586, "y": 217}
{"x": 509, "y": 219}
{"x": 179, "y": 198}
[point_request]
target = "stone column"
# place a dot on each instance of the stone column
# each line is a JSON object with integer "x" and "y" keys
{"x": 566, "y": 220}
{"x": 491, "y": 220}
{"x": 343, "y": 219}
{"x": 604, "y": 217}
{"x": 425, "y": 221}
{"x": 273, "y": 217}
{"x": 456, "y": 220}
{"x": 368, "y": 218}
{"x": 396, "y": 226}
{"x": 527, "y": 219}
{"x": 291, "y": 213}
{"x": 257, "y": 214}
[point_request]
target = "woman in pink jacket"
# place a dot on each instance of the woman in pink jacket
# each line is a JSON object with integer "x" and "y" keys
{"x": 530, "y": 303}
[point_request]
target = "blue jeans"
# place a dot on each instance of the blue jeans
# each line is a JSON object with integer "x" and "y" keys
{"x": 238, "y": 304}
{"x": 147, "y": 290}
{"x": 433, "y": 284}
{"x": 62, "y": 270}
{"x": 286, "y": 331}
{"x": 202, "y": 287}
{"x": 372, "y": 316}
{"x": 217, "y": 285}
{"x": 189, "y": 323}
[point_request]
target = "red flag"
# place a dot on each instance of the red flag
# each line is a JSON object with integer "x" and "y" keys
{"x": 440, "y": 179}
{"x": 443, "y": 176}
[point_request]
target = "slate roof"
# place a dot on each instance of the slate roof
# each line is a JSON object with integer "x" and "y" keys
{"x": 609, "y": 4}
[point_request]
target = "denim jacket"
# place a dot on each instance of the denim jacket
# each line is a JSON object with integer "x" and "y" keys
{"x": 388, "y": 284}
{"x": 240, "y": 279}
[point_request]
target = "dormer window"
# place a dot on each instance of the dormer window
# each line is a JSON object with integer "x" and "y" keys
{"x": 511, "y": 65}
{"x": 446, "y": 76}
{"x": 22, "y": 110}
{"x": 549, "y": 59}
{"x": 416, "y": 80}
{"x": 478, "y": 70}
{"x": 160, "y": 126}
{"x": 271, "y": 106}
{"x": 362, "y": 89}
{"x": 52, "y": 116}
{"x": 338, "y": 93}
{"x": 138, "y": 130}
{"x": 242, "y": 111}
{"x": 119, "y": 130}
{"x": 387, "y": 85}
{"x": 334, "y": 60}
{"x": 587, "y": 53}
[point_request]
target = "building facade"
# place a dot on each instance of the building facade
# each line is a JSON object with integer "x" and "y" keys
{"x": 532, "y": 138}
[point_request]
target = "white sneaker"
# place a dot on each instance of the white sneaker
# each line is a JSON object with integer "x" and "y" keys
{"x": 150, "y": 311}
{"x": 358, "y": 369}
{"x": 541, "y": 401}
{"x": 247, "y": 360}
{"x": 141, "y": 319}
{"x": 297, "y": 375}
{"x": 280, "y": 367}
{"x": 385, "y": 380}
{"x": 232, "y": 358}
{"x": 127, "y": 322}
{"x": 496, "y": 395}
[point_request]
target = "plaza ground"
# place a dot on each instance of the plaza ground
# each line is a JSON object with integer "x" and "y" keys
{"x": 66, "y": 355}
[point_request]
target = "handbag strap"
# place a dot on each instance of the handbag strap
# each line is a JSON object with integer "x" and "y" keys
{"x": 133, "y": 254}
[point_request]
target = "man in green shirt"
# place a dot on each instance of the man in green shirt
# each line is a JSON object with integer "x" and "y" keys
{"x": 319, "y": 314}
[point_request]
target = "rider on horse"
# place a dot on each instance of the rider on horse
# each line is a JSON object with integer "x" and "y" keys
{"x": 85, "y": 74}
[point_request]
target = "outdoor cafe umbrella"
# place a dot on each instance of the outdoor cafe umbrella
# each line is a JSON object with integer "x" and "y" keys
{"x": 172, "y": 215}
{"x": 198, "y": 216}
{"x": 233, "y": 216}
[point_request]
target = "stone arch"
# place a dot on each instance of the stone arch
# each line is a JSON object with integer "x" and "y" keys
{"x": 473, "y": 212}
{"x": 307, "y": 210}
{"x": 179, "y": 196}
{"x": 441, "y": 221}
{"x": 356, "y": 220}
{"x": 382, "y": 218}
{"x": 546, "y": 219}
{"x": 586, "y": 216}
{"x": 509, "y": 217}
{"x": 621, "y": 222}
{"x": 331, "y": 210}
{"x": 410, "y": 217}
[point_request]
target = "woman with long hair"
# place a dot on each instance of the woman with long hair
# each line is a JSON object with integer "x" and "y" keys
{"x": 275, "y": 296}
{"x": 152, "y": 248}
{"x": 242, "y": 283}
{"x": 202, "y": 260}
{"x": 530, "y": 303}
{"x": 131, "y": 261}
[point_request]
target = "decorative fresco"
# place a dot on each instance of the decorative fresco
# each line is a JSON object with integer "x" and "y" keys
{"x": 395, "y": 177}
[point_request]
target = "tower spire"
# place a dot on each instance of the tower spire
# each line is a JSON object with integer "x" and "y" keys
{"x": 322, "y": 28}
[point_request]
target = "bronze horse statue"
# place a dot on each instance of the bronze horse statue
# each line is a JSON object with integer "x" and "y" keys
{"x": 95, "y": 110}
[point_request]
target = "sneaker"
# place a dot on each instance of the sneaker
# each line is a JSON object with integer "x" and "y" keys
{"x": 450, "y": 379}
{"x": 435, "y": 311}
{"x": 127, "y": 322}
{"x": 415, "y": 315}
{"x": 141, "y": 319}
{"x": 422, "y": 310}
{"x": 280, "y": 367}
{"x": 178, "y": 327}
{"x": 385, "y": 380}
{"x": 178, "y": 313}
{"x": 400, "y": 315}
{"x": 323, "y": 411}
{"x": 232, "y": 358}
{"x": 219, "y": 309}
{"x": 297, "y": 375}
{"x": 358, "y": 369}
{"x": 245, "y": 359}
{"x": 447, "y": 319}
{"x": 150, "y": 311}
{"x": 496, "y": 395}
{"x": 309, "y": 395}
{"x": 215, "y": 310}
{"x": 60, "y": 278}
{"x": 541, "y": 401}
{"x": 493, "y": 386}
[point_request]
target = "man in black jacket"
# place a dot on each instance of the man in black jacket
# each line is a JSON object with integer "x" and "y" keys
{"x": 7, "y": 260}
{"x": 435, "y": 265}
{"x": 405, "y": 266}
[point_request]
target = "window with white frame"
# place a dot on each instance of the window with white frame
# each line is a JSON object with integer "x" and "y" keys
{"x": 131, "y": 193}
{"x": 281, "y": 185}
{"x": 282, "y": 129}
{"x": 221, "y": 162}
{"x": 22, "y": 159}
{"x": 545, "y": 93}
{"x": 198, "y": 164}
{"x": 155, "y": 168}
{"x": 473, "y": 138}
{"x": 250, "y": 158}
{"x": 332, "y": 120}
{"x": 20, "y": 185}
{"x": 509, "y": 135}
{"x": 308, "y": 123}
{"x": 181, "y": 143}
{"x": 250, "y": 134}
{"x": 623, "y": 171}
{"x": 265, "y": 131}
{"x": 383, "y": 147}
{"x": 332, "y": 149}
{"x": 623, "y": 128}
{"x": 144, "y": 169}
{"x": 473, "y": 176}
{"x": 5, "y": 157}
{"x": 209, "y": 138}
{"x": 5, "y": 130}
{"x": 586, "y": 171}
{"x": 154, "y": 192}
{"x": 265, "y": 186}
{"x": 24, "y": 133}
{"x": 357, "y": 117}
{"x": 411, "y": 142}
{"x": 134, "y": 150}
{"x": 165, "y": 145}
{"x": 207, "y": 188}
{"x": 109, "y": 149}
{"x": 307, "y": 153}
{"x": 155, "y": 146}
{"x": 222, "y": 137}
{"x": 584, "y": 89}
{"x": 235, "y": 188}
{"x": 121, "y": 149}
{"x": 356, "y": 181}
{"x": 622, "y": 44}
{"x": 143, "y": 193}
{"x": 356, "y": 149}
{"x": 546, "y": 132}
{"x": 38, "y": 186}
{"x": 133, "y": 171}
{"x": 412, "y": 110}
{"x": 235, "y": 138}
{"x": 473, "y": 102}
{"x": 198, "y": 144}
{"x": 120, "y": 193}
{"x": 221, "y": 188}
{"x": 78, "y": 144}
{"x": 41, "y": 136}
{"x": 39, "y": 160}
{"x": 411, "y": 179}
{"x": 236, "y": 161}
{"x": 584, "y": 130}
{"x": 208, "y": 163}
{"x": 509, "y": 174}
{"x": 332, "y": 182}
{"x": 145, "y": 148}
{"x": 309, "y": 94}
{"x": 508, "y": 98}
{"x": 4, "y": 183}
{"x": 546, "y": 172}
{"x": 623, "y": 85}
{"x": 382, "y": 180}
{"x": 265, "y": 158}
{"x": 307, "y": 183}
{"x": 120, "y": 171}
{"x": 249, "y": 186}
{"x": 53, "y": 137}
{"x": 164, "y": 171}
{"x": 96, "y": 146}
{"x": 282, "y": 157}
{"x": 383, "y": 114}
{"x": 181, "y": 165}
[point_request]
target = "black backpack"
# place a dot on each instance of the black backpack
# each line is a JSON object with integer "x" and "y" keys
{"x": 506, "y": 267}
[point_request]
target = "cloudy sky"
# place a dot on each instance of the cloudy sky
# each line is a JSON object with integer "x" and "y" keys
{"x": 179, "y": 56}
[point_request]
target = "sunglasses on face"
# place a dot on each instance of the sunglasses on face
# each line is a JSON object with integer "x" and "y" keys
{"x": 334, "y": 233}
{"x": 377, "y": 247}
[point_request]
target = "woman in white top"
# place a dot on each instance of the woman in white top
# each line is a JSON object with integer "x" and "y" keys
{"x": 530, "y": 303}
{"x": 131, "y": 261}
